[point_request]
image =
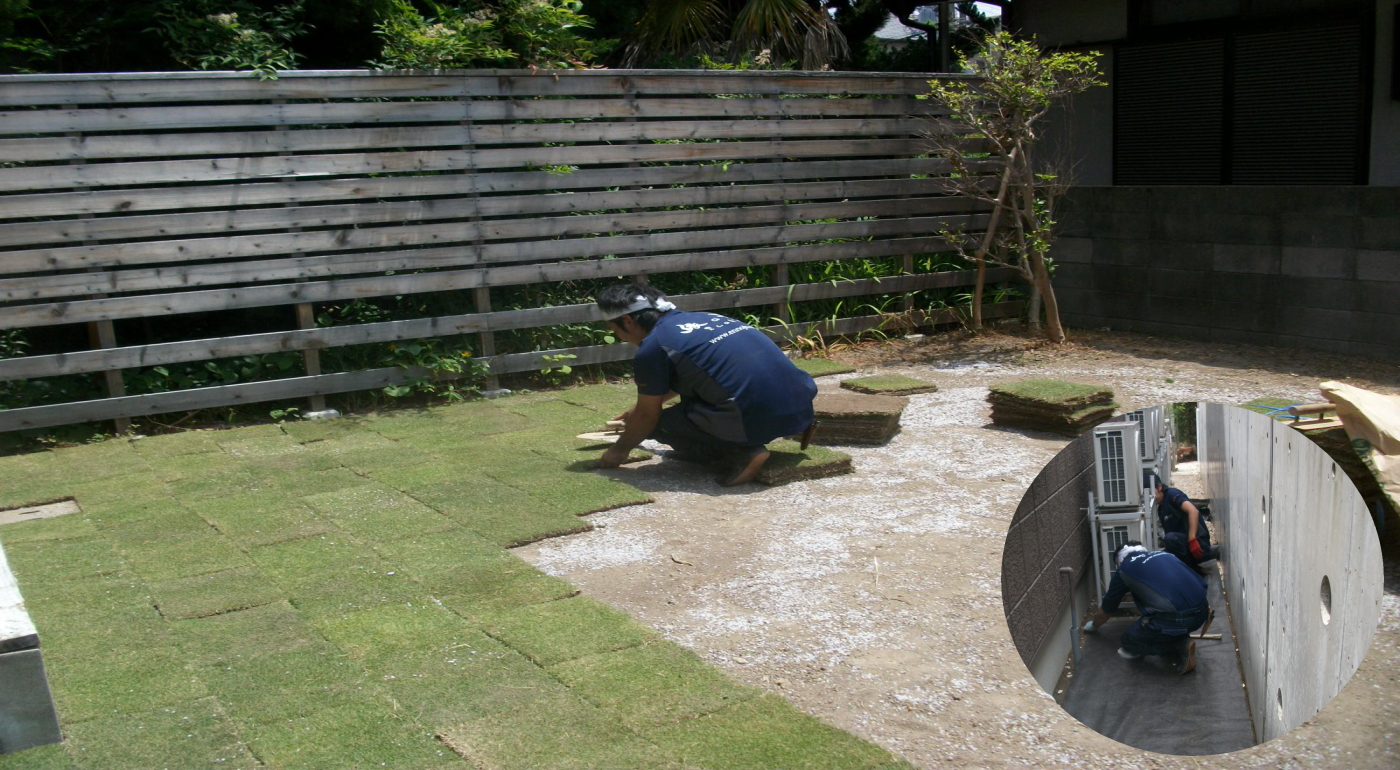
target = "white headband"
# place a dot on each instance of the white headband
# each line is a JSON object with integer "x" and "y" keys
{"x": 642, "y": 303}
{"x": 1129, "y": 549}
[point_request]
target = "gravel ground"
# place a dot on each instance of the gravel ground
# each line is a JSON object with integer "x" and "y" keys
{"x": 873, "y": 600}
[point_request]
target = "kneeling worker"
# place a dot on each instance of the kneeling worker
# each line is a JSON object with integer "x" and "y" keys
{"x": 737, "y": 389}
{"x": 1170, "y": 597}
{"x": 1186, "y": 534}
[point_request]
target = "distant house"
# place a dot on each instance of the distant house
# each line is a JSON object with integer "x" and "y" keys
{"x": 1239, "y": 179}
{"x": 894, "y": 36}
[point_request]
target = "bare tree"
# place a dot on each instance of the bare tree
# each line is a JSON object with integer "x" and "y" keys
{"x": 992, "y": 123}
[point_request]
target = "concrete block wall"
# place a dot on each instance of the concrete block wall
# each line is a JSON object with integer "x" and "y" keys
{"x": 1287, "y": 517}
{"x": 1311, "y": 267}
{"x": 1049, "y": 530}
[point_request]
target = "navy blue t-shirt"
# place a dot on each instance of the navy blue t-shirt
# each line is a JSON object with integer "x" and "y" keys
{"x": 734, "y": 382}
{"x": 1170, "y": 514}
{"x": 1160, "y": 582}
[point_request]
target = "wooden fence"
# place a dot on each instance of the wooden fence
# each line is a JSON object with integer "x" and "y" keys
{"x": 152, "y": 196}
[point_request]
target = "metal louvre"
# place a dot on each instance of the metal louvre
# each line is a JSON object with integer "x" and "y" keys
{"x": 1169, "y": 113}
{"x": 1297, "y": 107}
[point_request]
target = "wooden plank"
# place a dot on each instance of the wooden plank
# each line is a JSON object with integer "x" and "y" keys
{"x": 351, "y": 239}
{"x": 55, "y": 148}
{"x": 50, "y": 314}
{"x": 321, "y": 113}
{"x": 326, "y": 384}
{"x": 294, "y": 268}
{"x": 21, "y": 234}
{"x": 27, "y": 178}
{"x": 313, "y": 338}
{"x": 213, "y": 87}
{"x": 228, "y": 196}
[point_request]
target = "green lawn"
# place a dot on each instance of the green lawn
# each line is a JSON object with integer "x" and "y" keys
{"x": 338, "y": 594}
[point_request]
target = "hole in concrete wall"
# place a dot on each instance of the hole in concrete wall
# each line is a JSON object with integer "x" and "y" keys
{"x": 1333, "y": 474}
{"x": 1326, "y": 600}
{"x": 1280, "y": 705}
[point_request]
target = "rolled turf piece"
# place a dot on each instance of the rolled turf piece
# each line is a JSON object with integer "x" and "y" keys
{"x": 889, "y": 385}
{"x": 1054, "y": 406}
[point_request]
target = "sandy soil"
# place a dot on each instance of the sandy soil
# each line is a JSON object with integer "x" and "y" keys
{"x": 873, "y": 600}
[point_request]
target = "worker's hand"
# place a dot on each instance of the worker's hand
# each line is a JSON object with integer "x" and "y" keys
{"x": 1090, "y": 628}
{"x": 1195, "y": 548}
{"x": 614, "y": 457}
{"x": 624, "y": 416}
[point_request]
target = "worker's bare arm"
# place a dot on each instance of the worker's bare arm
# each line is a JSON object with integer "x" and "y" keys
{"x": 641, "y": 421}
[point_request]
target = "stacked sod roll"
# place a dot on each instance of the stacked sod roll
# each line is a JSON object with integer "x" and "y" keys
{"x": 1054, "y": 406}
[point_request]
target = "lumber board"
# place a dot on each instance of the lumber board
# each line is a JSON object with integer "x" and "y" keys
{"x": 21, "y": 90}
{"x": 273, "y": 245}
{"x": 321, "y": 113}
{"x": 342, "y": 382}
{"x": 157, "y": 305}
{"x": 22, "y": 234}
{"x": 231, "y": 196}
{"x": 81, "y": 362}
{"x": 50, "y": 177}
{"x": 169, "y": 145}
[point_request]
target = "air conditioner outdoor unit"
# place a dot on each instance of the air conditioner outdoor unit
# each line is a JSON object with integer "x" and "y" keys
{"x": 1111, "y": 529}
{"x": 1139, "y": 418}
{"x": 1117, "y": 465}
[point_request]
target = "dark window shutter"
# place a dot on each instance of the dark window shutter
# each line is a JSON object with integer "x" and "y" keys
{"x": 1297, "y": 106}
{"x": 1169, "y": 126}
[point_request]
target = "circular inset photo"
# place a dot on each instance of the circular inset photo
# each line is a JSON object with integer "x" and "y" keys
{"x": 1192, "y": 578}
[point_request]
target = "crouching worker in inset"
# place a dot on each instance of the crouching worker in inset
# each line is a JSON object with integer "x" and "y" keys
{"x": 1170, "y": 597}
{"x": 1186, "y": 535}
{"x": 737, "y": 389}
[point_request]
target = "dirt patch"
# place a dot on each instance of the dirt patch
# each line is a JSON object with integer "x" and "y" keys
{"x": 873, "y": 600}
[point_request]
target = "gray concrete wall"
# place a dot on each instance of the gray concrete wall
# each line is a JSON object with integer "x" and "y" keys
{"x": 1310, "y": 267}
{"x": 1286, "y": 517}
{"x": 1385, "y": 109}
{"x": 1050, "y": 530}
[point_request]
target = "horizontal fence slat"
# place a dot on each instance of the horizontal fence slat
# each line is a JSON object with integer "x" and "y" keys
{"x": 386, "y": 212}
{"x": 25, "y": 178}
{"x": 264, "y": 246}
{"x": 319, "y": 190}
{"x": 326, "y": 384}
{"x": 217, "y": 116}
{"x": 19, "y": 90}
{"x": 86, "y": 361}
{"x": 58, "y": 148}
{"x": 50, "y": 314}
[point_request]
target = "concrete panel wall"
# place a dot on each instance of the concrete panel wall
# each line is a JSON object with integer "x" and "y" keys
{"x": 1286, "y": 517}
{"x": 1311, "y": 267}
{"x": 1050, "y": 530}
{"x": 1385, "y": 109}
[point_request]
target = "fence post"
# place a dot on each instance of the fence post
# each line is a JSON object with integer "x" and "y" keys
{"x": 305, "y": 313}
{"x": 101, "y": 334}
{"x": 481, "y": 296}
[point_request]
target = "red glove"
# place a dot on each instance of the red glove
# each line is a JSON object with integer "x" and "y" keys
{"x": 1195, "y": 547}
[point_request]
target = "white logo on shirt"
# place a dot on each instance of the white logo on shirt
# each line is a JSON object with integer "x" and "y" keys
{"x": 688, "y": 328}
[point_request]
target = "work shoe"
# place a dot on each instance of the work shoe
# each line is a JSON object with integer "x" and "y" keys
{"x": 1188, "y": 657}
{"x": 1122, "y": 653}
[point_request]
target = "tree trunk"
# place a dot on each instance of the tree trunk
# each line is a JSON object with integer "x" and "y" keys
{"x": 1033, "y": 312}
{"x": 1053, "y": 330}
{"x": 981, "y": 254}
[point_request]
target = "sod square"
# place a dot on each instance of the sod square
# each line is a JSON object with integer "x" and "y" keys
{"x": 481, "y": 418}
{"x": 66, "y": 527}
{"x": 103, "y": 460}
{"x": 610, "y": 400}
{"x": 820, "y": 367}
{"x": 121, "y": 680}
{"x": 248, "y": 633}
{"x": 185, "y": 557}
{"x": 170, "y": 524}
{"x": 367, "y": 460}
{"x": 352, "y": 441}
{"x": 156, "y": 449}
{"x": 51, "y": 757}
{"x": 377, "y": 513}
{"x": 562, "y": 630}
{"x": 574, "y": 487}
{"x": 789, "y": 462}
{"x": 228, "y": 482}
{"x": 70, "y": 559}
{"x": 284, "y": 471}
{"x": 33, "y": 479}
{"x": 79, "y": 616}
{"x": 651, "y": 684}
{"x": 245, "y": 448}
{"x": 332, "y": 574}
{"x": 499, "y": 513}
{"x": 561, "y": 415}
{"x": 412, "y": 477}
{"x": 472, "y": 575}
{"x": 312, "y": 432}
{"x": 180, "y": 735}
{"x": 195, "y": 467}
{"x": 889, "y": 385}
{"x": 115, "y": 492}
{"x": 389, "y": 635}
{"x": 564, "y": 732}
{"x": 261, "y": 518}
{"x": 766, "y": 732}
{"x": 213, "y": 594}
{"x": 143, "y": 504}
{"x": 1056, "y": 395}
{"x": 365, "y": 733}
{"x": 262, "y": 690}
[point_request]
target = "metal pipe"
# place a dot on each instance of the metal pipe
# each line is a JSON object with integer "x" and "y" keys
{"x": 1068, "y": 572}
